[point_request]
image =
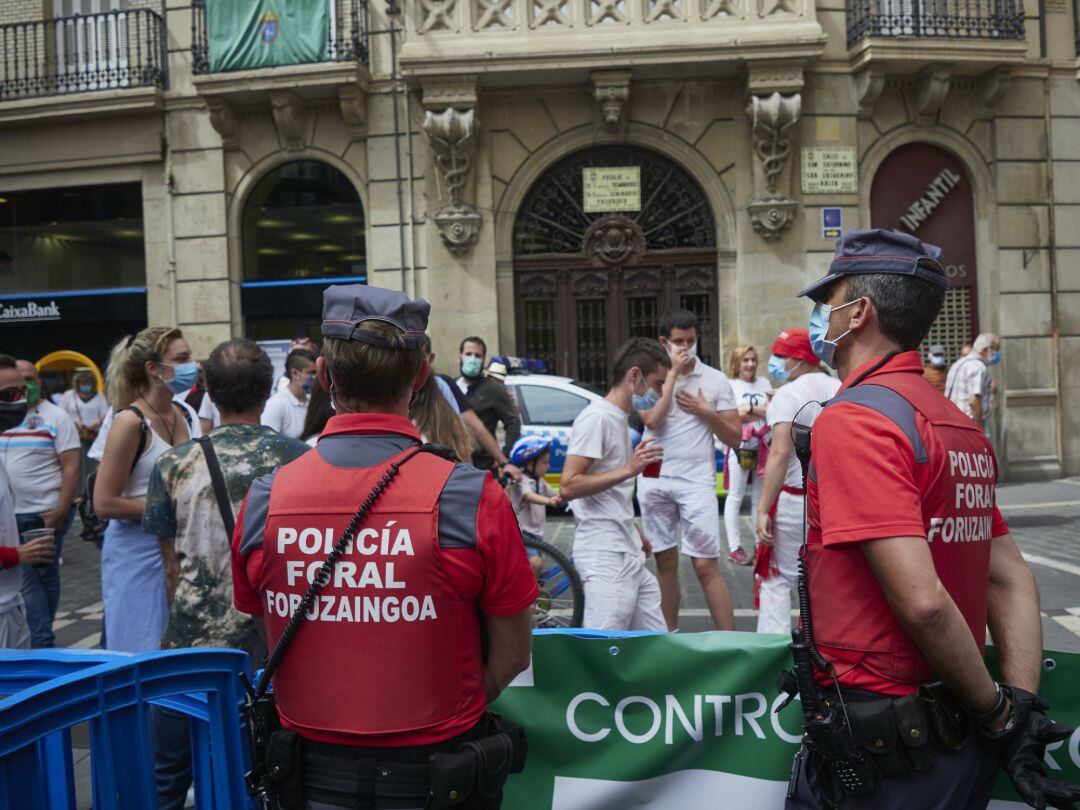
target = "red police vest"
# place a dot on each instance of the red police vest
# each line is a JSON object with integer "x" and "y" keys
{"x": 387, "y": 647}
{"x": 955, "y": 472}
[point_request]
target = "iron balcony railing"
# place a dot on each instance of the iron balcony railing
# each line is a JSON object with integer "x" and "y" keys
{"x": 348, "y": 38}
{"x": 107, "y": 51}
{"x": 943, "y": 19}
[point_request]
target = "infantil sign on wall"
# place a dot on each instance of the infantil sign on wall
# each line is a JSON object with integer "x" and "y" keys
{"x": 609, "y": 189}
{"x": 917, "y": 213}
{"x": 829, "y": 170}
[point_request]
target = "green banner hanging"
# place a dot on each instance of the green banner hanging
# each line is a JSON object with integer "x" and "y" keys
{"x": 266, "y": 33}
{"x": 686, "y": 721}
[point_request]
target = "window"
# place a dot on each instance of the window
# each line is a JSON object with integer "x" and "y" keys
{"x": 550, "y": 406}
{"x": 304, "y": 220}
{"x": 64, "y": 239}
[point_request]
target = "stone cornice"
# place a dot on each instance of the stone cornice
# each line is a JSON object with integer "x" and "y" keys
{"x": 78, "y": 105}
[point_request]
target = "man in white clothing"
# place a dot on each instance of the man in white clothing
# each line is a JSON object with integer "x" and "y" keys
{"x": 286, "y": 409}
{"x": 780, "y": 510}
{"x": 598, "y": 476}
{"x": 969, "y": 384}
{"x": 695, "y": 404}
{"x": 41, "y": 458}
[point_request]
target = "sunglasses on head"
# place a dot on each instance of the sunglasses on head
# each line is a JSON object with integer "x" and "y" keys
{"x": 13, "y": 393}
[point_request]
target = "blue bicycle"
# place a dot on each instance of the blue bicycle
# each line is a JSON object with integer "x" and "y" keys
{"x": 562, "y": 596}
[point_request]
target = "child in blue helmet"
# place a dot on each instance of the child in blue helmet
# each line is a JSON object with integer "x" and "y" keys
{"x": 531, "y": 496}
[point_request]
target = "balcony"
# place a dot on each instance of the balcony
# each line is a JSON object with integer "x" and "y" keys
{"x": 87, "y": 54}
{"x": 347, "y": 39}
{"x": 907, "y": 35}
{"x": 505, "y": 40}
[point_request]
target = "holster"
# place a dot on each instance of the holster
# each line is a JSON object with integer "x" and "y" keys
{"x": 479, "y": 767}
{"x": 896, "y": 732}
{"x": 948, "y": 722}
{"x": 284, "y": 764}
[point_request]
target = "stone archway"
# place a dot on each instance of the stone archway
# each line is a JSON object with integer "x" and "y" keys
{"x": 605, "y": 241}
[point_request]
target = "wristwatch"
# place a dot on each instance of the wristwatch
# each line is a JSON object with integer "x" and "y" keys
{"x": 984, "y": 719}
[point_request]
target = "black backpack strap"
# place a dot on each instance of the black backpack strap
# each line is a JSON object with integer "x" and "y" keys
{"x": 217, "y": 480}
{"x": 184, "y": 412}
{"x": 144, "y": 433}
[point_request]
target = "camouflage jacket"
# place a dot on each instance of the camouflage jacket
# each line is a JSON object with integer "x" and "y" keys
{"x": 180, "y": 504}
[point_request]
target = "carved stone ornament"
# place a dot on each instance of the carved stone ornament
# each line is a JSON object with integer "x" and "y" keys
{"x": 771, "y": 210}
{"x": 614, "y": 239}
{"x": 868, "y": 86}
{"x": 611, "y": 89}
{"x": 990, "y": 89}
{"x": 223, "y": 119}
{"x": 451, "y": 132}
{"x": 353, "y": 106}
{"x": 931, "y": 88}
{"x": 290, "y": 119}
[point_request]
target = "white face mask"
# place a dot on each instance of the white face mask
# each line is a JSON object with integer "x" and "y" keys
{"x": 692, "y": 350}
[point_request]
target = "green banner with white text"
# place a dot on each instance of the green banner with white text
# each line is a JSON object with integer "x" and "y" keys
{"x": 266, "y": 33}
{"x": 686, "y": 721}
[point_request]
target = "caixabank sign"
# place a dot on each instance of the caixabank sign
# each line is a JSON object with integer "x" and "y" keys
{"x": 29, "y": 311}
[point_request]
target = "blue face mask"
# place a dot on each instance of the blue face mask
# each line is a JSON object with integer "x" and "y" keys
{"x": 184, "y": 376}
{"x": 471, "y": 365}
{"x": 309, "y": 383}
{"x": 995, "y": 358}
{"x": 778, "y": 368}
{"x": 819, "y": 328}
{"x": 643, "y": 402}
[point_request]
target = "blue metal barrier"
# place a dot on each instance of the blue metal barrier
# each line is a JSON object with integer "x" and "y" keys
{"x": 49, "y": 691}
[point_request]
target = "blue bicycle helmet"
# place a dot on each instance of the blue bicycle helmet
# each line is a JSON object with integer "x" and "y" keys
{"x": 527, "y": 448}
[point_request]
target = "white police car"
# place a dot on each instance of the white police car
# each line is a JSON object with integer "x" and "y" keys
{"x": 549, "y": 405}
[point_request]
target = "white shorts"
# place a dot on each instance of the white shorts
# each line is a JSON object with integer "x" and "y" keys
{"x": 667, "y": 503}
{"x": 620, "y": 592}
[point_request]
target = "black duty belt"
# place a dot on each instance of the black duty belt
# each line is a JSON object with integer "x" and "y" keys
{"x": 349, "y": 776}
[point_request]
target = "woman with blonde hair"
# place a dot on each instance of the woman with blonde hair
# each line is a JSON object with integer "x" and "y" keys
{"x": 436, "y": 421}
{"x": 742, "y": 467}
{"x": 145, "y": 371}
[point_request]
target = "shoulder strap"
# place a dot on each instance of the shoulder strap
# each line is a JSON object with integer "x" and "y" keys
{"x": 893, "y": 406}
{"x": 143, "y": 433}
{"x": 217, "y": 480}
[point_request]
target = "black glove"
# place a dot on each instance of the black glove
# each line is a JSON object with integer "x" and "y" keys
{"x": 1023, "y": 747}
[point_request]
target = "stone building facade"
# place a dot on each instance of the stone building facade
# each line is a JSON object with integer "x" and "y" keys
{"x": 552, "y": 174}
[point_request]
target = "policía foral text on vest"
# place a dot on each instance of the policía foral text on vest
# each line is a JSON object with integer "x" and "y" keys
{"x": 374, "y": 574}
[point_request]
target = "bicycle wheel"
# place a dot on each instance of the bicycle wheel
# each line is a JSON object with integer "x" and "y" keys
{"x": 562, "y": 596}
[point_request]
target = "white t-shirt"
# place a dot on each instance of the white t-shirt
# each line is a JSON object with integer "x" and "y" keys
{"x": 532, "y": 517}
{"x": 84, "y": 413}
{"x": 10, "y": 578}
{"x": 689, "y": 451}
{"x": 208, "y": 410}
{"x": 753, "y": 394}
{"x": 604, "y": 521}
{"x": 968, "y": 377}
{"x": 792, "y": 399}
{"x": 285, "y": 413}
{"x": 97, "y": 449}
{"x": 31, "y": 454}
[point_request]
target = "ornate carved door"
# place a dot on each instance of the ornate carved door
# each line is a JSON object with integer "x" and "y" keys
{"x": 586, "y": 280}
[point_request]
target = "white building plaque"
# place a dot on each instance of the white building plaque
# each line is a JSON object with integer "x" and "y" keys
{"x": 829, "y": 170}
{"x": 611, "y": 188}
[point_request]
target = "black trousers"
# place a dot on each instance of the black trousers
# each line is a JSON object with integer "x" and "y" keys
{"x": 961, "y": 780}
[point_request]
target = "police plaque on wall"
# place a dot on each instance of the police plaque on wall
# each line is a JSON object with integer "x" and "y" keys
{"x": 608, "y": 189}
{"x": 829, "y": 170}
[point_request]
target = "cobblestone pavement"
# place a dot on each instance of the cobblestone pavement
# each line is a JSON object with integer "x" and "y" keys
{"x": 1044, "y": 517}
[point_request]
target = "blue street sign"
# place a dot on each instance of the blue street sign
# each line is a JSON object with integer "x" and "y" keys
{"x": 832, "y": 222}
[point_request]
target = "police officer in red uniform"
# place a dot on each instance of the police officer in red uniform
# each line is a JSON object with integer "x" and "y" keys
{"x": 381, "y": 686}
{"x": 907, "y": 562}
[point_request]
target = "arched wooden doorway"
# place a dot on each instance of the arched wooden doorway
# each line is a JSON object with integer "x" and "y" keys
{"x": 606, "y": 241}
{"x": 923, "y": 190}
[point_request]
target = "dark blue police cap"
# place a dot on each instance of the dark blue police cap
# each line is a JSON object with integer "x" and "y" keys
{"x": 346, "y": 306}
{"x": 875, "y": 251}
